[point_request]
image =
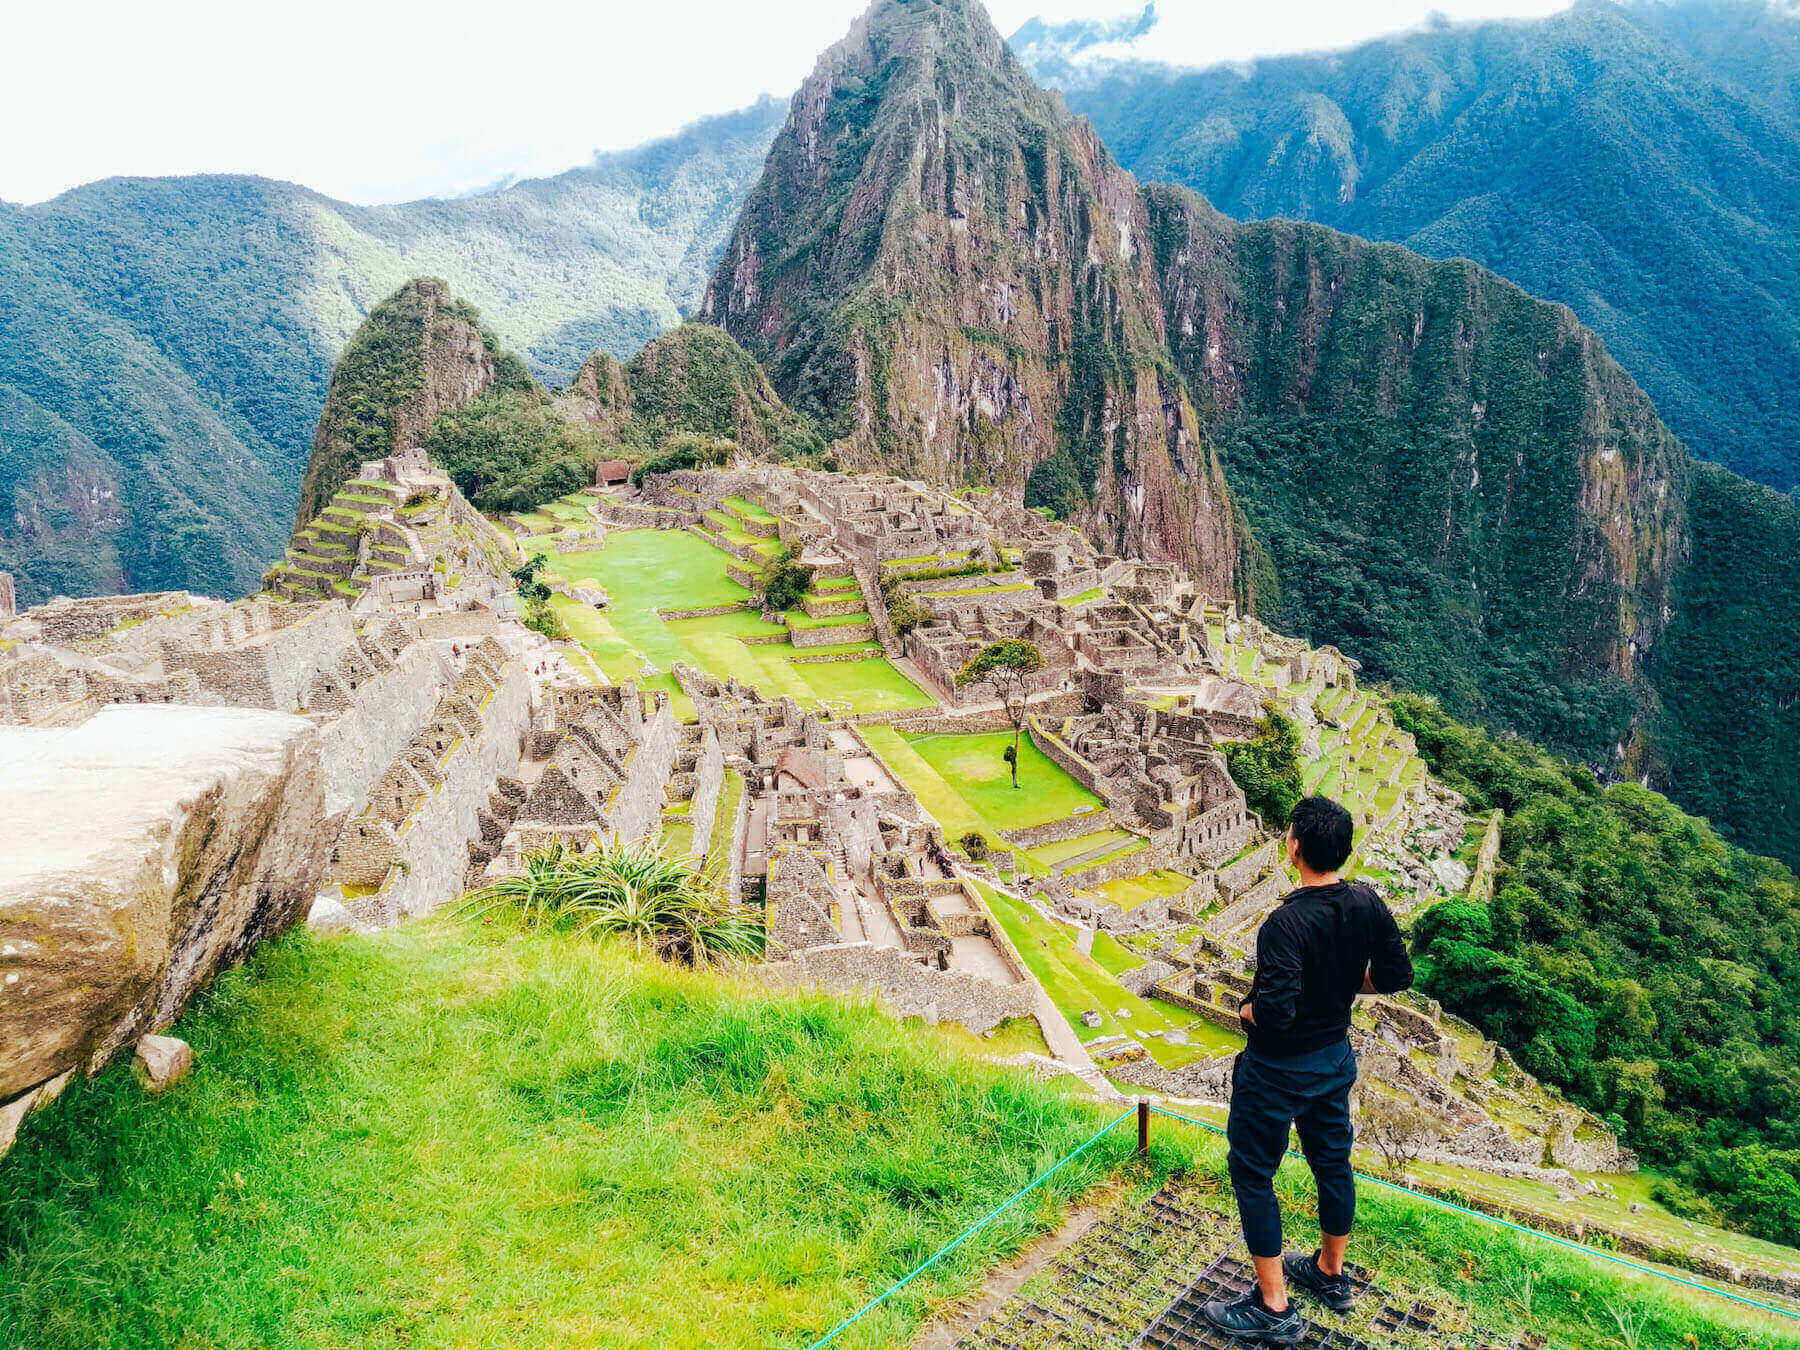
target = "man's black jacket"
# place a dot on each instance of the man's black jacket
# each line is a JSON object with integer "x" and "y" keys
{"x": 1310, "y": 957}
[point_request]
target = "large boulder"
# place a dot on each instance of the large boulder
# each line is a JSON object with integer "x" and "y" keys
{"x": 145, "y": 850}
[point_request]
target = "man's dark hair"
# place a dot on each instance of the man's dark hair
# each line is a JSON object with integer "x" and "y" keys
{"x": 1324, "y": 831}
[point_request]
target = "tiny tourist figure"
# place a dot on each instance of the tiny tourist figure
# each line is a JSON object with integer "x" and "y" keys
{"x": 1326, "y": 942}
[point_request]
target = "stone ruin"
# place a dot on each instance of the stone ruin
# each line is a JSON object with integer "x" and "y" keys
{"x": 197, "y": 776}
{"x": 431, "y": 742}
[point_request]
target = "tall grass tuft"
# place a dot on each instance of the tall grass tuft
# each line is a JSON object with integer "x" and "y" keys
{"x": 631, "y": 891}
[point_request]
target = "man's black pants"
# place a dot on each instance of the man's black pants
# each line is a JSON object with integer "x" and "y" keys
{"x": 1311, "y": 1093}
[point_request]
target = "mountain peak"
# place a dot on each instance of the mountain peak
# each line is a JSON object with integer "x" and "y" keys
{"x": 953, "y": 276}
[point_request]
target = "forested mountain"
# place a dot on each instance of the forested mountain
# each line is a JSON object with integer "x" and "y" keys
{"x": 1639, "y": 162}
{"x": 165, "y": 344}
{"x": 1422, "y": 463}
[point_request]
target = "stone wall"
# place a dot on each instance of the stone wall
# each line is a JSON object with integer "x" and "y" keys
{"x": 903, "y": 985}
{"x": 709, "y": 783}
{"x": 626, "y": 516}
{"x": 1055, "y": 831}
{"x": 360, "y": 742}
{"x": 432, "y": 844}
{"x": 1238, "y": 875}
{"x": 1481, "y": 883}
{"x": 833, "y": 635}
{"x": 635, "y": 811}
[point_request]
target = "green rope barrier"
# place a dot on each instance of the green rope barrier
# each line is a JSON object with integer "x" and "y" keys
{"x": 965, "y": 1235}
{"x": 1498, "y": 1222}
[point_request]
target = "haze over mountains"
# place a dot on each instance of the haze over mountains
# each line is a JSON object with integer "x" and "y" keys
{"x": 1415, "y": 460}
{"x": 165, "y": 344}
{"x": 1639, "y": 162}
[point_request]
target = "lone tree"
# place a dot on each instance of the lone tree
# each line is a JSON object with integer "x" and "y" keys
{"x": 1399, "y": 1130}
{"x": 785, "y": 581}
{"x": 1006, "y": 668}
{"x": 526, "y": 574}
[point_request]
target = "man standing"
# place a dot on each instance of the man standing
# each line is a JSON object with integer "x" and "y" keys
{"x": 1326, "y": 942}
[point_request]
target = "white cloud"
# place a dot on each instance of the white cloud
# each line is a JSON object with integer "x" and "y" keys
{"x": 380, "y": 100}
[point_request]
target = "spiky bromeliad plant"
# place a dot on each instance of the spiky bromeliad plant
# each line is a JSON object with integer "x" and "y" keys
{"x": 634, "y": 891}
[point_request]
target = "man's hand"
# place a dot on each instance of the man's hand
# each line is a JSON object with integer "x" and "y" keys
{"x": 1248, "y": 1013}
{"x": 1369, "y": 981}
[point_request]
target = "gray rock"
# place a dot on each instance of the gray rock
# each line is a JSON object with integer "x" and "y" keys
{"x": 328, "y": 915}
{"x": 1176, "y": 1036}
{"x": 148, "y": 849}
{"x": 1090, "y": 1019}
{"x": 162, "y": 1060}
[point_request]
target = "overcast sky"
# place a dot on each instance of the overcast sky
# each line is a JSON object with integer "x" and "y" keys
{"x": 383, "y": 100}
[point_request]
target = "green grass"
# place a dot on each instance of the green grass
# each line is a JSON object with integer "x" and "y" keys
{"x": 678, "y": 838}
{"x": 747, "y": 508}
{"x": 1130, "y": 892}
{"x": 456, "y": 1135}
{"x": 657, "y": 569}
{"x": 718, "y": 847}
{"x": 1064, "y": 849}
{"x": 643, "y": 571}
{"x": 966, "y": 786}
{"x": 798, "y": 619}
{"x": 1046, "y": 792}
{"x": 1077, "y": 983}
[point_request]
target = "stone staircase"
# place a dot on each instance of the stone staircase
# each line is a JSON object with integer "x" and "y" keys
{"x": 358, "y": 533}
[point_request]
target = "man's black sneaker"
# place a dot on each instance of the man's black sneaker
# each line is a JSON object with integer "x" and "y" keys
{"x": 1248, "y": 1318}
{"x": 1303, "y": 1273}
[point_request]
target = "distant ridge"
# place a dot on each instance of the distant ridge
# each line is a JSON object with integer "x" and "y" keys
{"x": 165, "y": 344}
{"x": 1639, "y": 162}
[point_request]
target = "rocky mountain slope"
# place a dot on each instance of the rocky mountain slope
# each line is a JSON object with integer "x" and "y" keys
{"x": 1449, "y": 478}
{"x": 1639, "y": 162}
{"x": 166, "y": 344}
{"x": 945, "y": 269}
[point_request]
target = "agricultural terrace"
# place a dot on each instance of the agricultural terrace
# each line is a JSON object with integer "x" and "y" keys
{"x": 647, "y": 571}
{"x": 1079, "y": 982}
{"x": 1362, "y": 760}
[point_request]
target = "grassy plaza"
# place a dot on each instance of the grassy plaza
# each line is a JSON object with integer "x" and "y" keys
{"x": 647, "y": 571}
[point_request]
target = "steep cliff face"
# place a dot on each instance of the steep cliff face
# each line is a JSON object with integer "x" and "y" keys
{"x": 421, "y": 352}
{"x": 1412, "y": 459}
{"x": 1384, "y": 413}
{"x": 599, "y": 395}
{"x": 953, "y": 276}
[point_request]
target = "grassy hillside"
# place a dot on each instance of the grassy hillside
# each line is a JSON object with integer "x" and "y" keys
{"x": 166, "y": 344}
{"x": 1638, "y": 162}
{"x": 453, "y": 1134}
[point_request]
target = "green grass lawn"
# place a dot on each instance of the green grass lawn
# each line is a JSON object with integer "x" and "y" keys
{"x": 644, "y": 571}
{"x": 966, "y": 786}
{"x": 454, "y": 1135}
{"x": 678, "y": 838}
{"x": 1046, "y": 792}
{"x": 656, "y": 569}
{"x": 1077, "y": 983}
{"x": 1130, "y": 892}
{"x": 1064, "y": 849}
{"x": 743, "y": 506}
{"x": 718, "y": 847}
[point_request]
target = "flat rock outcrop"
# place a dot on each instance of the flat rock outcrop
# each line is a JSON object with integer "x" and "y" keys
{"x": 147, "y": 849}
